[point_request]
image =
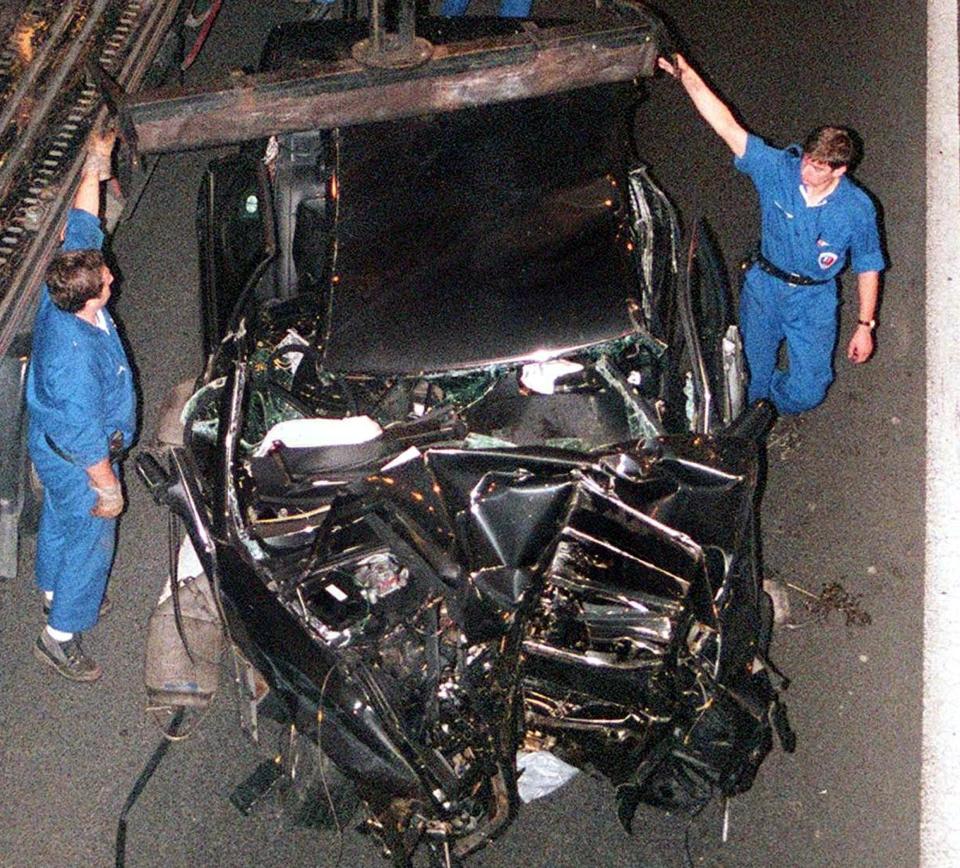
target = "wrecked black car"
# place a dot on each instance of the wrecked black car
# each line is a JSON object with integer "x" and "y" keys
{"x": 469, "y": 470}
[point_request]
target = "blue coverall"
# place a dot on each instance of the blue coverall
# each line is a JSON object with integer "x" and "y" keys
{"x": 79, "y": 391}
{"x": 508, "y": 8}
{"x": 812, "y": 241}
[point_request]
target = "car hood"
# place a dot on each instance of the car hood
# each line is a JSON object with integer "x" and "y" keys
{"x": 480, "y": 236}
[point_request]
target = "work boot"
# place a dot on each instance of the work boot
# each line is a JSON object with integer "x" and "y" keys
{"x": 66, "y": 657}
{"x": 106, "y": 607}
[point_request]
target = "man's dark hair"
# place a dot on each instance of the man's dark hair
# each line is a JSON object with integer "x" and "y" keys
{"x": 74, "y": 277}
{"x": 834, "y": 146}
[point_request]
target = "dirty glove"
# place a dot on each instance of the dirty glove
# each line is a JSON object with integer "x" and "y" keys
{"x": 109, "y": 501}
{"x": 99, "y": 150}
{"x": 98, "y": 163}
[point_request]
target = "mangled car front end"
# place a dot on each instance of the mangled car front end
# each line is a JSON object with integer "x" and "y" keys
{"x": 478, "y": 480}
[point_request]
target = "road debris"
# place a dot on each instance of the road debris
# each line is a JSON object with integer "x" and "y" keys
{"x": 786, "y": 438}
{"x": 833, "y": 597}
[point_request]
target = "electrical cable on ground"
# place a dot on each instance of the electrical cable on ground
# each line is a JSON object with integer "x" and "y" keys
{"x": 138, "y": 787}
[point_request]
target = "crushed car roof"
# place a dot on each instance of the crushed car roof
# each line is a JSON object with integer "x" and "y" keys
{"x": 477, "y": 236}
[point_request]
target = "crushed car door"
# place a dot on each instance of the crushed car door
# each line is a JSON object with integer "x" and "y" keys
{"x": 705, "y": 378}
{"x": 234, "y": 233}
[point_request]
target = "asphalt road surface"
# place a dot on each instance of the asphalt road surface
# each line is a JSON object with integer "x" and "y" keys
{"x": 843, "y": 503}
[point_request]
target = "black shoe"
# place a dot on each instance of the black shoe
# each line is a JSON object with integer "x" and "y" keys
{"x": 106, "y": 607}
{"x": 66, "y": 657}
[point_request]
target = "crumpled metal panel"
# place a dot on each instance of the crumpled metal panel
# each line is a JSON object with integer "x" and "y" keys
{"x": 537, "y": 548}
{"x": 586, "y": 600}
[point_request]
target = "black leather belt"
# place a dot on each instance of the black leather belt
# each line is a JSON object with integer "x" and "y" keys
{"x": 786, "y": 276}
{"x": 115, "y": 453}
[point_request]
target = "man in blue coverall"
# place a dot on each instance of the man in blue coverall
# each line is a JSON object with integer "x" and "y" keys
{"x": 82, "y": 412}
{"x": 813, "y": 218}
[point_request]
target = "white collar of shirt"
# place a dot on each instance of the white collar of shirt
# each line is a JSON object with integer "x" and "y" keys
{"x": 825, "y": 199}
{"x": 102, "y": 322}
{"x": 806, "y": 198}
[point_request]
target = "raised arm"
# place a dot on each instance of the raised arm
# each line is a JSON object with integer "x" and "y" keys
{"x": 96, "y": 168}
{"x": 713, "y": 110}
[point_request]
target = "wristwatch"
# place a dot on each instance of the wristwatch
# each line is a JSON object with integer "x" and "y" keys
{"x": 869, "y": 323}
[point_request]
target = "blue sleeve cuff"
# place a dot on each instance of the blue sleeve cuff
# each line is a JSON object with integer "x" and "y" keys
{"x": 744, "y": 163}
{"x": 759, "y": 159}
{"x": 868, "y": 262}
{"x": 83, "y": 231}
{"x": 86, "y": 445}
{"x": 86, "y": 461}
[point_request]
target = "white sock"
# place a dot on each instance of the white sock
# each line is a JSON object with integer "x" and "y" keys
{"x": 48, "y": 595}
{"x": 59, "y": 635}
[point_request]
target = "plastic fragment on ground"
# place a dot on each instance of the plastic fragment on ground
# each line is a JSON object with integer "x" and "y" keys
{"x": 540, "y": 773}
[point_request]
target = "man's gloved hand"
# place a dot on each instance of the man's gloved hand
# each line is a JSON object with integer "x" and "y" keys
{"x": 109, "y": 501}
{"x": 99, "y": 150}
